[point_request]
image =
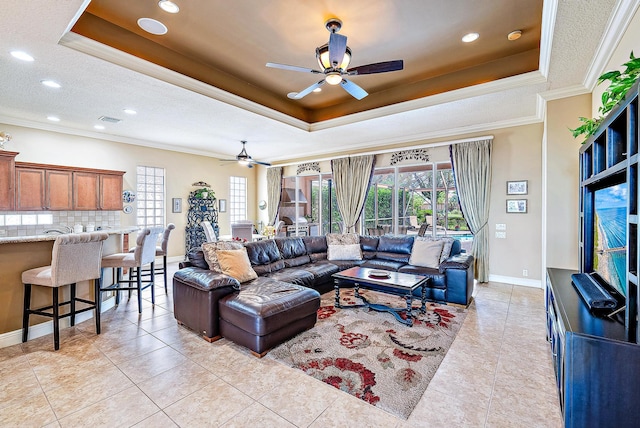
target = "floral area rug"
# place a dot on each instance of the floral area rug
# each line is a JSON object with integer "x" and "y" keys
{"x": 370, "y": 354}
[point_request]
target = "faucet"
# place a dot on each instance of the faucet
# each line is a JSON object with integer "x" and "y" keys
{"x": 60, "y": 229}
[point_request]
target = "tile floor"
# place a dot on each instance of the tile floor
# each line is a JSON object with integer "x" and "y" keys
{"x": 145, "y": 371}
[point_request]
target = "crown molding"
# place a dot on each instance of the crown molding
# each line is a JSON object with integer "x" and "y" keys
{"x": 549, "y": 13}
{"x": 619, "y": 20}
{"x": 569, "y": 91}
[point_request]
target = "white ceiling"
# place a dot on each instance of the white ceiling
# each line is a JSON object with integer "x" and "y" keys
{"x": 179, "y": 113}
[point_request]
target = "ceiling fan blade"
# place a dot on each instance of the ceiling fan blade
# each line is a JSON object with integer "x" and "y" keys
{"x": 356, "y": 91}
{"x": 228, "y": 160}
{"x": 378, "y": 67}
{"x": 262, "y": 163}
{"x": 292, "y": 68}
{"x": 337, "y": 48}
{"x": 306, "y": 91}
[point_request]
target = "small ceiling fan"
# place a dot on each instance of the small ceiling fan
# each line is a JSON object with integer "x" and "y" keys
{"x": 334, "y": 58}
{"x": 244, "y": 159}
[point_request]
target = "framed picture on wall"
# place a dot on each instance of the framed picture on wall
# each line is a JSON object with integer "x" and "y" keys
{"x": 517, "y": 206}
{"x": 517, "y": 187}
{"x": 222, "y": 205}
{"x": 176, "y": 205}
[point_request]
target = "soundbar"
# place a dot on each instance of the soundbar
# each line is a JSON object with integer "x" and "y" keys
{"x": 592, "y": 293}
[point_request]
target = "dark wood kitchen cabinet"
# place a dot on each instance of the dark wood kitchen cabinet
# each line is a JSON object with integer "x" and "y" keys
{"x": 7, "y": 180}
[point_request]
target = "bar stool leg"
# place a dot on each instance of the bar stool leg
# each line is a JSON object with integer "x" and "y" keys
{"x": 72, "y": 304}
{"x": 56, "y": 320}
{"x": 164, "y": 270}
{"x": 153, "y": 284}
{"x": 117, "y": 280}
{"x": 26, "y": 312}
{"x": 97, "y": 284}
{"x": 139, "y": 284}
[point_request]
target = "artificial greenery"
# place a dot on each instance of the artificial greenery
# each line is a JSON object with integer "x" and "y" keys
{"x": 199, "y": 193}
{"x": 620, "y": 83}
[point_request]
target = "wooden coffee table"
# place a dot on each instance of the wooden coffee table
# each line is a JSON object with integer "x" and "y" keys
{"x": 396, "y": 283}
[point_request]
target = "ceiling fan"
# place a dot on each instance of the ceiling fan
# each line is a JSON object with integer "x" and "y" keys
{"x": 243, "y": 158}
{"x": 334, "y": 58}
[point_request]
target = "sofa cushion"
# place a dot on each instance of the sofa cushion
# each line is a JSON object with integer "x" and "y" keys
{"x": 344, "y": 252}
{"x": 321, "y": 271}
{"x": 383, "y": 264}
{"x": 196, "y": 258}
{"x": 426, "y": 253}
{"x": 236, "y": 264}
{"x": 297, "y": 261}
{"x": 315, "y": 244}
{"x": 438, "y": 280}
{"x": 263, "y": 252}
{"x": 369, "y": 246}
{"x": 344, "y": 264}
{"x": 395, "y": 244}
{"x": 210, "y": 252}
{"x": 298, "y": 276}
{"x": 448, "y": 243}
{"x": 291, "y": 247}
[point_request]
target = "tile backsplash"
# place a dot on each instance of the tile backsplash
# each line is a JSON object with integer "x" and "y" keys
{"x": 27, "y": 223}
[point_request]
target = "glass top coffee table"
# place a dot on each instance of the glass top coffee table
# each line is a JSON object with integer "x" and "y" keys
{"x": 396, "y": 283}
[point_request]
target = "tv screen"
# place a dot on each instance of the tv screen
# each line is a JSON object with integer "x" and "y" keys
{"x": 610, "y": 236}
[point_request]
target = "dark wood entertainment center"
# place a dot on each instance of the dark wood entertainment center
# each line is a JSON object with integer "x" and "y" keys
{"x": 596, "y": 354}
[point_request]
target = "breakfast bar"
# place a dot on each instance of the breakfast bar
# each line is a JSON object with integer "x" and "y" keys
{"x": 20, "y": 253}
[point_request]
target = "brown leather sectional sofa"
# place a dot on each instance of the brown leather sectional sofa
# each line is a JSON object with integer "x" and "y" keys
{"x": 292, "y": 272}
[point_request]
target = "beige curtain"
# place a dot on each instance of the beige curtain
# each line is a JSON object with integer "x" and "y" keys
{"x": 274, "y": 189}
{"x": 472, "y": 172}
{"x": 352, "y": 176}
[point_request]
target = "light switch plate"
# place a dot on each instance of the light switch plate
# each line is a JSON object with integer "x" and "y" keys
{"x": 501, "y": 235}
{"x": 501, "y": 226}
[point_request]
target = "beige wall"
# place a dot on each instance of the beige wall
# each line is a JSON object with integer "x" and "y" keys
{"x": 562, "y": 149}
{"x": 181, "y": 170}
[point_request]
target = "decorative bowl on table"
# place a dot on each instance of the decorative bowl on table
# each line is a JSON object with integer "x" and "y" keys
{"x": 379, "y": 274}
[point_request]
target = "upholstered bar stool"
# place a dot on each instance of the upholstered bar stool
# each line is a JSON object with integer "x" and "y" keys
{"x": 161, "y": 251}
{"x": 144, "y": 254}
{"x": 75, "y": 258}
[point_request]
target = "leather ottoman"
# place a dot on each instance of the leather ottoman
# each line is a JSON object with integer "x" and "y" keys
{"x": 267, "y": 312}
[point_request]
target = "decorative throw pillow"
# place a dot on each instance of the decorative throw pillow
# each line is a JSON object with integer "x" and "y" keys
{"x": 342, "y": 238}
{"x": 426, "y": 253}
{"x": 210, "y": 250}
{"x": 446, "y": 249}
{"x": 344, "y": 252}
{"x": 236, "y": 264}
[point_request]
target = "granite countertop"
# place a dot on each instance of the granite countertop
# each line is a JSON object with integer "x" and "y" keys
{"x": 52, "y": 237}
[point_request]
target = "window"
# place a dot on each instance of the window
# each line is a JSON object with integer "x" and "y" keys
{"x": 402, "y": 198}
{"x": 237, "y": 199}
{"x": 150, "y": 196}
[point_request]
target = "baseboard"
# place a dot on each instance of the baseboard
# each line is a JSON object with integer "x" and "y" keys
{"x": 175, "y": 259}
{"x": 15, "y": 337}
{"x": 535, "y": 283}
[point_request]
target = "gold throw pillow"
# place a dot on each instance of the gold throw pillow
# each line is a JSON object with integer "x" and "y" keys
{"x": 236, "y": 263}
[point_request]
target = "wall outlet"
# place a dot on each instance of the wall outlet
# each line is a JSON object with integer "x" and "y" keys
{"x": 501, "y": 226}
{"x": 525, "y": 272}
{"x": 3, "y": 232}
{"x": 501, "y": 235}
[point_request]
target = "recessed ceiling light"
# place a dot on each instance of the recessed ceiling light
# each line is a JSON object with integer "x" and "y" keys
{"x": 51, "y": 84}
{"x": 317, "y": 90}
{"x": 53, "y": 118}
{"x": 514, "y": 35}
{"x": 21, "y": 55}
{"x": 168, "y": 6}
{"x": 98, "y": 127}
{"x": 129, "y": 111}
{"x": 471, "y": 37}
{"x": 152, "y": 26}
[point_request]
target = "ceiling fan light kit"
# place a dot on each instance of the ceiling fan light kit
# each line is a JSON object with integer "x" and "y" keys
{"x": 244, "y": 159}
{"x": 334, "y": 59}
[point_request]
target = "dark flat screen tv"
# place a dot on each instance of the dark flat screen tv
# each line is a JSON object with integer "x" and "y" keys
{"x": 610, "y": 235}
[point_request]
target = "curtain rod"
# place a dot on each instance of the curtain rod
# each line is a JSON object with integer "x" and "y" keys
{"x": 379, "y": 152}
